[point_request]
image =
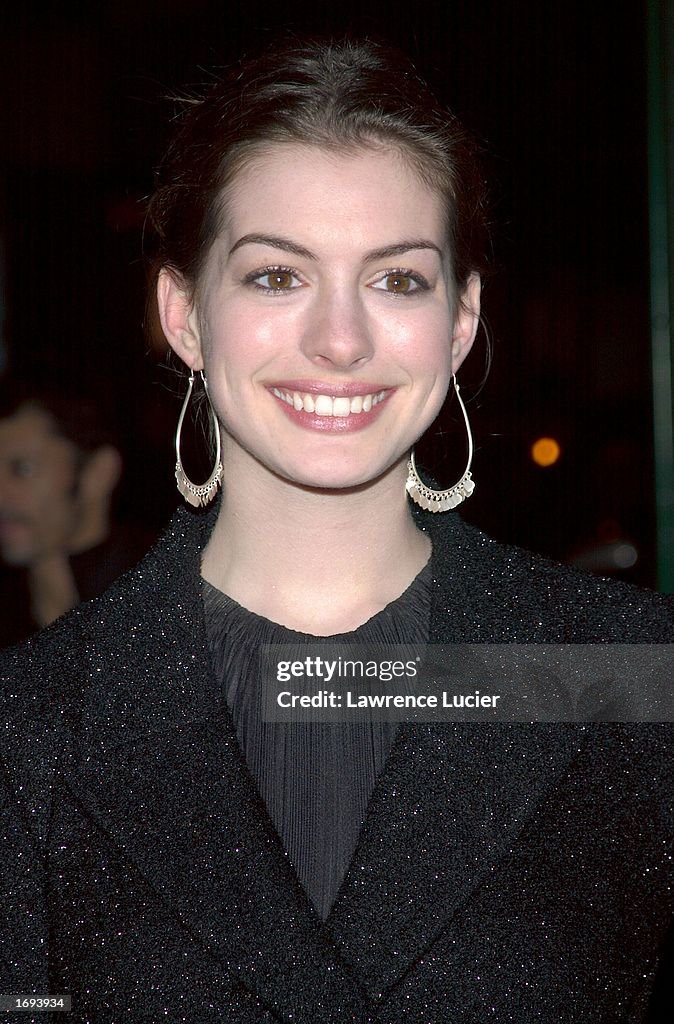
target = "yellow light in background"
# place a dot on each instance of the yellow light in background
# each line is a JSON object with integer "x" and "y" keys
{"x": 545, "y": 451}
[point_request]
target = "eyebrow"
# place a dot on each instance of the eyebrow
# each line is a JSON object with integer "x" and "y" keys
{"x": 275, "y": 242}
{"x": 384, "y": 253}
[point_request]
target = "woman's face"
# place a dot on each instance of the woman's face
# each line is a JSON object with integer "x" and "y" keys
{"x": 326, "y": 324}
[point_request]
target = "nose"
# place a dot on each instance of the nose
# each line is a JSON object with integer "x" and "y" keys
{"x": 337, "y": 333}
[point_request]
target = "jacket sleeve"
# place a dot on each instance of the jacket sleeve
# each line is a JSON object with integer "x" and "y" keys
{"x": 28, "y": 761}
{"x": 23, "y": 923}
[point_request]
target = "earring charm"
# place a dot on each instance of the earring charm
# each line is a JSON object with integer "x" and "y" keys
{"x": 198, "y": 494}
{"x": 436, "y": 500}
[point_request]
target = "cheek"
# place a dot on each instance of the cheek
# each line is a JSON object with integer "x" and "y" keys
{"x": 59, "y": 502}
{"x": 46, "y": 496}
{"x": 238, "y": 338}
{"x": 425, "y": 349}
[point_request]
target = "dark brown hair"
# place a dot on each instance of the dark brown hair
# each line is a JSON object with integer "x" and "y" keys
{"x": 86, "y": 422}
{"x": 331, "y": 95}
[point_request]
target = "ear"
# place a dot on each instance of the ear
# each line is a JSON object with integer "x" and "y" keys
{"x": 178, "y": 317}
{"x": 467, "y": 320}
{"x": 100, "y": 475}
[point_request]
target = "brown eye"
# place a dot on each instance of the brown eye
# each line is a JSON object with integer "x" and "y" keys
{"x": 398, "y": 283}
{"x": 22, "y": 468}
{"x": 401, "y": 282}
{"x": 273, "y": 280}
{"x": 279, "y": 279}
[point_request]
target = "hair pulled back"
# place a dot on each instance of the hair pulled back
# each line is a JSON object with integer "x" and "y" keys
{"x": 331, "y": 95}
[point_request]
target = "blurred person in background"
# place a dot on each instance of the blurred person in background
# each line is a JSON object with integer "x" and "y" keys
{"x": 59, "y": 543}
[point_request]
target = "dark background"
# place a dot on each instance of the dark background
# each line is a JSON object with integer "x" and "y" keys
{"x": 557, "y": 94}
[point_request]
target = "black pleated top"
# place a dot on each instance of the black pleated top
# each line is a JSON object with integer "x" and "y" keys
{"x": 315, "y": 777}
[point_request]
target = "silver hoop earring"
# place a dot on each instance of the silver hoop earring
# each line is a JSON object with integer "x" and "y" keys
{"x": 198, "y": 494}
{"x": 442, "y": 501}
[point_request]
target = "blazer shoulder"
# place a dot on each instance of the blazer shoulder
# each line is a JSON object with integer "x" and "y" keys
{"x": 163, "y": 587}
{"x": 608, "y": 608}
{"x": 117, "y": 666}
{"x": 535, "y": 599}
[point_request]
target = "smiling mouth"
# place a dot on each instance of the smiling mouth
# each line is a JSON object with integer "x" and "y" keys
{"x": 329, "y": 405}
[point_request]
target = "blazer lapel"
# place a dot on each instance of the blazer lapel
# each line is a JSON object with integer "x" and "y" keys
{"x": 161, "y": 773}
{"x": 448, "y": 806}
{"x": 180, "y": 803}
{"x": 452, "y": 798}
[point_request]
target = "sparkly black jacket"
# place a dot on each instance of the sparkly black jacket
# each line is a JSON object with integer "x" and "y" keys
{"x": 510, "y": 873}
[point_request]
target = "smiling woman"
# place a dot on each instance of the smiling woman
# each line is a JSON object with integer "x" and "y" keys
{"x": 182, "y": 851}
{"x": 360, "y": 312}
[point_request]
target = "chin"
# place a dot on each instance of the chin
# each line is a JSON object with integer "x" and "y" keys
{"x": 16, "y": 558}
{"x": 330, "y": 480}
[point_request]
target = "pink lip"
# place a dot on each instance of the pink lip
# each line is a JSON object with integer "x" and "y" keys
{"x": 330, "y": 424}
{"x": 347, "y": 389}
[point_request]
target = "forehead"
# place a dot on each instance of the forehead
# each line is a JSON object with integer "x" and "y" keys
{"x": 348, "y": 194}
{"x": 31, "y": 433}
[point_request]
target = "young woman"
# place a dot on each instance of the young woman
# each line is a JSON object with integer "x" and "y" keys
{"x": 176, "y": 855}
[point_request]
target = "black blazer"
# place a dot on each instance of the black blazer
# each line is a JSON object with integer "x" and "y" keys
{"x": 504, "y": 873}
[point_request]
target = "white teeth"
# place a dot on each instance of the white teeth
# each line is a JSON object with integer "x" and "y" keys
{"x": 327, "y": 405}
{"x": 323, "y": 405}
{"x": 283, "y": 395}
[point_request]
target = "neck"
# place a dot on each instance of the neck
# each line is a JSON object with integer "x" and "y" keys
{"x": 52, "y": 587}
{"x": 321, "y": 562}
{"x": 92, "y": 529}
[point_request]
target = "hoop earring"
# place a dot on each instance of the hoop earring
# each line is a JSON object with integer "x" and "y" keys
{"x": 198, "y": 494}
{"x": 442, "y": 501}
